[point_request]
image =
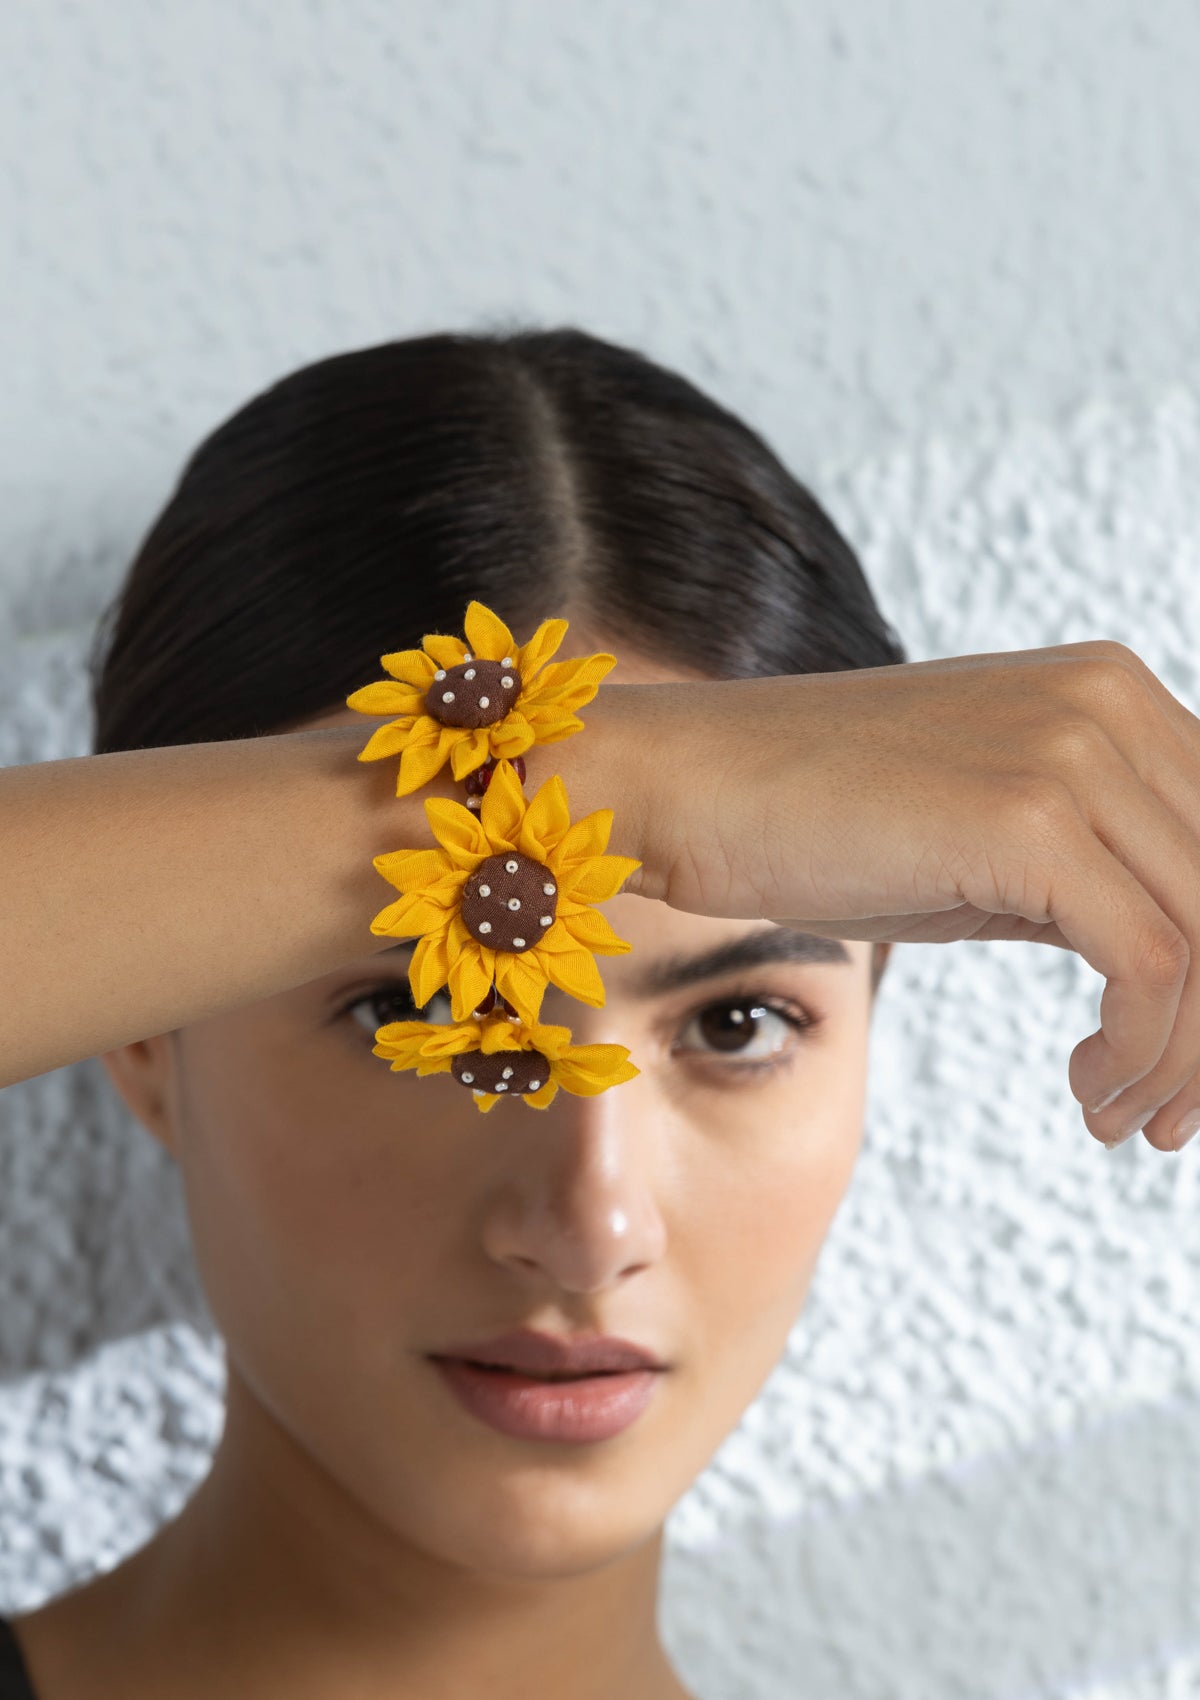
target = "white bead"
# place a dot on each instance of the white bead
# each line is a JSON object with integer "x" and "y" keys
{"x": 485, "y": 891}
{"x": 447, "y": 696}
{"x": 485, "y": 926}
{"x": 506, "y": 661}
{"x": 518, "y": 944}
{"x": 549, "y": 890}
{"x": 507, "y": 1075}
{"x": 473, "y": 802}
{"x": 467, "y": 656}
{"x": 533, "y": 1085}
{"x": 470, "y": 673}
{"x": 514, "y": 903}
{"x": 545, "y": 920}
{"x": 465, "y": 1076}
{"x": 479, "y": 1091}
{"x": 440, "y": 674}
{"x": 510, "y": 867}
{"x": 485, "y": 702}
{"x": 501, "y": 1086}
{"x": 506, "y": 681}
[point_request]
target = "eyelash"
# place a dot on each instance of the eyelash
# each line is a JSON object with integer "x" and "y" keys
{"x": 799, "y": 1019}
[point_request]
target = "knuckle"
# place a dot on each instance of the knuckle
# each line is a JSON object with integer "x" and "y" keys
{"x": 1164, "y": 957}
{"x": 1112, "y": 678}
{"x": 1038, "y": 804}
{"x": 1072, "y": 741}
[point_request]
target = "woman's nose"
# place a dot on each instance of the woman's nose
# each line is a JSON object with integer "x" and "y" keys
{"x": 578, "y": 1206}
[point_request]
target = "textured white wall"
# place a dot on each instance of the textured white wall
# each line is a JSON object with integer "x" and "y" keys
{"x": 944, "y": 256}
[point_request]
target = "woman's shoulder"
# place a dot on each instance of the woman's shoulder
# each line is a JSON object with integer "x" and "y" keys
{"x": 15, "y": 1682}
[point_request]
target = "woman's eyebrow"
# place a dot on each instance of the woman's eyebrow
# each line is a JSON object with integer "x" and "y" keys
{"x": 752, "y": 950}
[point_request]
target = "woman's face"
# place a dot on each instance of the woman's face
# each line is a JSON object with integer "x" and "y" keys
{"x": 349, "y": 1221}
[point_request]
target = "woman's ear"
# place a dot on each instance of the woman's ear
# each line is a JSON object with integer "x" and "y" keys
{"x": 144, "y": 1076}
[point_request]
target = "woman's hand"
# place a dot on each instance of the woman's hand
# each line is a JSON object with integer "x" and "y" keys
{"x": 1045, "y": 794}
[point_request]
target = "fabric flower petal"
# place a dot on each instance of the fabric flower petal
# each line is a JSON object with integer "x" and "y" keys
{"x": 408, "y": 869}
{"x": 471, "y": 750}
{"x": 589, "y": 1069}
{"x": 429, "y": 969}
{"x": 445, "y": 651}
{"x": 575, "y": 973}
{"x": 414, "y": 667}
{"x": 541, "y": 646}
{"x": 389, "y": 740}
{"x": 458, "y": 831}
{"x": 386, "y": 697}
{"x": 512, "y": 736}
{"x": 544, "y": 1095}
{"x": 487, "y": 635}
{"x": 472, "y": 970}
{"x": 590, "y": 929}
{"x": 597, "y": 879}
{"x": 503, "y": 808}
{"x": 547, "y": 818}
{"x": 588, "y": 837}
{"x": 423, "y": 758}
{"x": 522, "y": 983}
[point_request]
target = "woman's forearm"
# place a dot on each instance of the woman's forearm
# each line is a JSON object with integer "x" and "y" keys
{"x": 145, "y": 889}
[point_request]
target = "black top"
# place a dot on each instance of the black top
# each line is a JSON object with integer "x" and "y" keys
{"x": 14, "y": 1677}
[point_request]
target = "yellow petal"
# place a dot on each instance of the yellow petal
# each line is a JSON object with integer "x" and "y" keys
{"x": 402, "y": 1040}
{"x": 502, "y": 1036}
{"x": 443, "y": 1041}
{"x": 458, "y": 830}
{"x": 418, "y": 765}
{"x": 444, "y": 651}
{"x": 589, "y": 1069}
{"x": 547, "y": 818}
{"x": 551, "y": 725}
{"x": 386, "y": 697}
{"x": 413, "y": 666}
{"x": 503, "y": 808}
{"x": 388, "y": 740}
{"x": 589, "y": 928}
{"x": 575, "y": 973}
{"x": 569, "y": 684}
{"x": 408, "y": 869}
{"x": 598, "y": 878}
{"x": 588, "y": 837}
{"x": 417, "y": 913}
{"x": 487, "y": 635}
{"x": 429, "y": 968}
{"x": 543, "y": 1096}
{"x": 522, "y": 982}
{"x": 472, "y": 969}
{"x": 511, "y": 736}
{"x": 540, "y": 648}
{"x": 486, "y": 1100}
{"x": 382, "y": 924}
{"x": 471, "y": 751}
{"x": 549, "y": 1040}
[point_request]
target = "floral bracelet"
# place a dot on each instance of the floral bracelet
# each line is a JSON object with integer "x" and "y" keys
{"x": 503, "y": 908}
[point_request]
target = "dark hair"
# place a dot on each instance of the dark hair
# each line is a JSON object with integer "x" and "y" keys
{"x": 363, "y": 500}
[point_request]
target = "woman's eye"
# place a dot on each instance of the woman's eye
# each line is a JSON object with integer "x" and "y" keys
{"x": 746, "y": 1029}
{"x": 375, "y": 1009}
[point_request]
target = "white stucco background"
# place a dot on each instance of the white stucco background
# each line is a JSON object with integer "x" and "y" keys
{"x": 945, "y": 256}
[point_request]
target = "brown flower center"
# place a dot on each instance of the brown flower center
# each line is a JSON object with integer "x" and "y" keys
{"x": 501, "y": 1071}
{"x": 509, "y": 902}
{"x": 475, "y": 693}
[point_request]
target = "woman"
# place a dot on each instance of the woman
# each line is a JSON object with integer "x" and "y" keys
{"x": 380, "y": 1518}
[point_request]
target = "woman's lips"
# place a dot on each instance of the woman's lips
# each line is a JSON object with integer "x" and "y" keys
{"x": 588, "y": 1407}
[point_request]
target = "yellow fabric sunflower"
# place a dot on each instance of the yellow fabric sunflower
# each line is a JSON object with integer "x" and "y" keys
{"x": 485, "y": 700}
{"x": 497, "y": 1057}
{"x": 506, "y": 900}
